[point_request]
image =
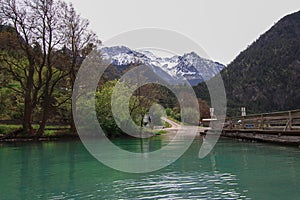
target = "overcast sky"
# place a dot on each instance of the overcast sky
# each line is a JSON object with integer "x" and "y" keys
{"x": 223, "y": 28}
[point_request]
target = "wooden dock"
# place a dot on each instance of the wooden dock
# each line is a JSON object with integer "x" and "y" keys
{"x": 276, "y": 127}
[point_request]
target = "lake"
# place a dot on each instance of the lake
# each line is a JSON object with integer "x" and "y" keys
{"x": 233, "y": 170}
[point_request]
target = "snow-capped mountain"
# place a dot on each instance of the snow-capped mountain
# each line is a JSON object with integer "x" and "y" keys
{"x": 190, "y": 66}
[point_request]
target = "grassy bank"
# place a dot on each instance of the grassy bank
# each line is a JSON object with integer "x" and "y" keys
{"x": 50, "y": 133}
{"x": 49, "y": 130}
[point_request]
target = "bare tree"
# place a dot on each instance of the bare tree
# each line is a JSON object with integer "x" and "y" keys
{"x": 16, "y": 14}
{"x": 50, "y": 35}
{"x": 43, "y": 27}
{"x": 80, "y": 41}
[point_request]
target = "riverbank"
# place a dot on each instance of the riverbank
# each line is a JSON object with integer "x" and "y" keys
{"x": 13, "y": 133}
{"x": 24, "y": 138}
{"x": 63, "y": 133}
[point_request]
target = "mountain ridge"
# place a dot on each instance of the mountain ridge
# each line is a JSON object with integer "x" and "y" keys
{"x": 266, "y": 76}
{"x": 189, "y": 66}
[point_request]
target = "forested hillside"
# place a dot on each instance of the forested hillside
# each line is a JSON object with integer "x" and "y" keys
{"x": 266, "y": 76}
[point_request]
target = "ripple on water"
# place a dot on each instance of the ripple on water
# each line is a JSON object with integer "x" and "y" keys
{"x": 212, "y": 185}
{"x": 192, "y": 185}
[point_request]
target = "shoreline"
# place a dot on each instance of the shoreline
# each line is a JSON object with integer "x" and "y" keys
{"x": 39, "y": 139}
{"x": 285, "y": 140}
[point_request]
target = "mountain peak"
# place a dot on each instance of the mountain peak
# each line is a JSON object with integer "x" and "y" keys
{"x": 190, "y": 66}
{"x": 115, "y": 50}
{"x": 192, "y": 54}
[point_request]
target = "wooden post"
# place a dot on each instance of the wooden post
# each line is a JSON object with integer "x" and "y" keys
{"x": 230, "y": 123}
{"x": 290, "y": 120}
{"x": 262, "y": 121}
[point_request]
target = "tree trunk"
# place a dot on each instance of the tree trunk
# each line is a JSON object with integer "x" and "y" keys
{"x": 72, "y": 124}
{"x": 28, "y": 109}
{"x": 43, "y": 122}
{"x": 42, "y": 127}
{"x": 72, "y": 77}
{"x": 46, "y": 105}
{"x": 27, "y": 127}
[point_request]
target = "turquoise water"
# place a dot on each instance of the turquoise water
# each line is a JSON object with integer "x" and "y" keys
{"x": 234, "y": 170}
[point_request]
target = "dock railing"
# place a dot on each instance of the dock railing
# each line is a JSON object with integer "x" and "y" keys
{"x": 283, "y": 121}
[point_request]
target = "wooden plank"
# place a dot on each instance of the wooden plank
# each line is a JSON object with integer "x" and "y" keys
{"x": 286, "y": 122}
{"x": 273, "y": 132}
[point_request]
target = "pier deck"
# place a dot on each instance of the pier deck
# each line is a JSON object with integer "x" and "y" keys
{"x": 278, "y": 127}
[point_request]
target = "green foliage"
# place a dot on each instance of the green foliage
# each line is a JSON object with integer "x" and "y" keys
{"x": 139, "y": 106}
{"x": 161, "y": 132}
{"x": 174, "y": 114}
{"x": 49, "y": 130}
{"x": 167, "y": 125}
{"x": 10, "y": 103}
{"x": 5, "y": 129}
{"x": 103, "y": 109}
